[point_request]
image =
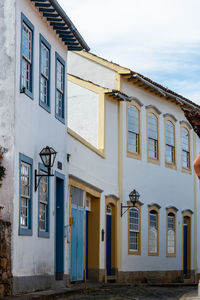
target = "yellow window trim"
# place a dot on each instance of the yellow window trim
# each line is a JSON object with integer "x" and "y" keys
{"x": 156, "y": 209}
{"x": 132, "y": 252}
{"x": 150, "y": 159}
{"x": 185, "y": 170}
{"x": 129, "y": 153}
{"x": 88, "y": 188}
{"x": 173, "y": 211}
{"x": 172, "y": 120}
{"x": 85, "y": 143}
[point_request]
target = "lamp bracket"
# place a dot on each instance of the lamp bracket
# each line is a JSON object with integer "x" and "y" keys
{"x": 40, "y": 176}
{"x": 127, "y": 208}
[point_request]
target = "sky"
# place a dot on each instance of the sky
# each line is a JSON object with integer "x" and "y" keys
{"x": 157, "y": 38}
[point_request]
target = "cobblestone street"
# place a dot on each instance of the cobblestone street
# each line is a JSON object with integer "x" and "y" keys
{"x": 137, "y": 292}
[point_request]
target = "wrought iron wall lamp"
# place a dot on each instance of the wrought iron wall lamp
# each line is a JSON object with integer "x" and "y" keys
{"x": 47, "y": 155}
{"x": 134, "y": 198}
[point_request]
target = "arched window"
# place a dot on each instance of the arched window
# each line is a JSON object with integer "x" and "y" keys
{"x": 153, "y": 136}
{"x": 170, "y": 142}
{"x": 153, "y": 237}
{"x": 134, "y": 230}
{"x": 133, "y": 141}
{"x": 171, "y": 234}
{"x": 185, "y": 148}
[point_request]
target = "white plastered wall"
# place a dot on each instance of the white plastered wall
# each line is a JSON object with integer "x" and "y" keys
{"x": 35, "y": 128}
{"x": 82, "y": 113}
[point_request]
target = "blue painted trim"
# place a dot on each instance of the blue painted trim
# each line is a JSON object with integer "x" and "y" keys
{"x": 59, "y": 58}
{"x": 44, "y": 234}
{"x": 60, "y": 176}
{"x": 28, "y": 160}
{"x": 30, "y": 93}
{"x": 48, "y": 46}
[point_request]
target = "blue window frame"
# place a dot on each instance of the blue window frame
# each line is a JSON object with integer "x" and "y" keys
{"x": 25, "y": 194}
{"x": 60, "y": 88}
{"x": 45, "y": 61}
{"x": 43, "y": 203}
{"x": 27, "y": 44}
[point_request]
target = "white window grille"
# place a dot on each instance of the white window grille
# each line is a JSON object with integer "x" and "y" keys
{"x": 77, "y": 196}
{"x": 44, "y": 78}
{"x": 185, "y": 148}
{"x": 134, "y": 229}
{"x": 43, "y": 202}
{"x": 25, "y": 194}
{"x": 171, "y": 234}
{"x": 152, "y": 136}
{"x": 133, "y": 129}
{"x": 170, "y": 142}
{"x": 59, "y": 89}
{"x": 26, "y": 56}
{"x": 153, "y": 235}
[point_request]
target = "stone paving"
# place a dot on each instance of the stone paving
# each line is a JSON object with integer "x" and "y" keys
{"x": 115, "y": 292}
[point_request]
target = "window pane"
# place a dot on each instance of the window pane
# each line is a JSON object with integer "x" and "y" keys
{"x": 59, "y": 104}
{"x": 26, "y": 42}
{"x": 24, "y": 212}
{"x": 133, "y": 119}
{"x": 43, "y": 89}
{"x": 153, "y": 220}
{"x": 44, "y": 61}
{"x": 185, "y": 159}
{"x": 133, "y": 145}
{"x": 169, "y": 134}
{"x": 171, "y": 241}
{"x": 153, "y": 240}
{"x": 133, "y": 219}
{"x": 25, "y": 180}
{"x": 76, "y": 196}
{"x": 133, "y": 245}
{"x": 43, "y": 208}
{"x": 169, "y": 154}
{"x": 185, "y": 139}
{"x": 152, "y": 148}
{"x": 26, "y": 74}
{"x": 152, "y": 126}
{"x": 60, "y": 76}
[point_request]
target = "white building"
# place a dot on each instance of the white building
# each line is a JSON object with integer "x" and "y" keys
{"x": 149, "y": 146}
{"x": 35, "y": 39}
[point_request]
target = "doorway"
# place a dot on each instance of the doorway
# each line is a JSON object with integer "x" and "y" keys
{"x": 186, "y": 245}
{"x": 59, "y": 227}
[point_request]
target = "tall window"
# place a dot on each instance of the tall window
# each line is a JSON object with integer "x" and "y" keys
{"x": 44, "y": 73}
{"x": 153, "y": 232}
{"x": 60, "y": 88}
{"x": 133, "y": 129}
{"x": 44, "y": 205}
{"x": 170, "y": 142}
{"x": 152, "y": 136}
{"x": 171, "y": 232}
{"x": 25, "y": 166}
{"x": 27, "y": 56}
{"x": 134, "y": 230}
{"x": 185, "y": 148}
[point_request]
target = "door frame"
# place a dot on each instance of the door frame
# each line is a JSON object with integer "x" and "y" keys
{"x": 187, "y": 213}
{"x": 61, "y": 177}
{"x": 111, "y": 200}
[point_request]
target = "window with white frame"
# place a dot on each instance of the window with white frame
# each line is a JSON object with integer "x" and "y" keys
{"x": 171, "y": 233}
{"x": 44, "y": 72}
{"x": 133, "y": 129}
{"x": 133, "y": 229}
{"x": 170, "y": 142}
{"x": 43, "y": 213}
{"x": 152, "y": 136}
{"x": 27, "y": 56}
{"x": 25, "y": 195}
{"x": 153, "y": 232}
{"x": 60, "y": 88}
{"x": 185, "y": 148}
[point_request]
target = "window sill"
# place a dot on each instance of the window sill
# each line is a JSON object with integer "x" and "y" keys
{"x": 153, "y": 254}
{"x": 27, "y": 93}
{"x": 43, "y": 234}
{"x": 25, "y": 232}
{"x": 62, "y": 120}
{"x": 134, "y": 155}
{"x": 171, "y": 166}
{"x": 131, "y": 252}
{"x": 184, "y": 170}
{"x": 153, "y": 161}
{"x": 45, "y": 107}
{"x": 171, "y": 255}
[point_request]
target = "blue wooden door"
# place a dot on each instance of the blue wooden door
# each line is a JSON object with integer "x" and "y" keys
{"x": 108, "y": 244}
{"x": 77, "y": 244}
{"x": 185, "y": 242}
{"x": 86, "y": 248}
{"x": 59, "y": 230}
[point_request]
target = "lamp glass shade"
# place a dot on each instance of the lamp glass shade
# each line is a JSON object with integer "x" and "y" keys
{"x": 48, "y": 155}
{"x": 134, "y": 196}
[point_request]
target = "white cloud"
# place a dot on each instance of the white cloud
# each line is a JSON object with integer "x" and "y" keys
{"x": 157, "y": 36}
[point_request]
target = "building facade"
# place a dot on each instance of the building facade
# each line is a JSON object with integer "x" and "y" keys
{"x": 156, "y": 239}
{"x": 36, "y": 37}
